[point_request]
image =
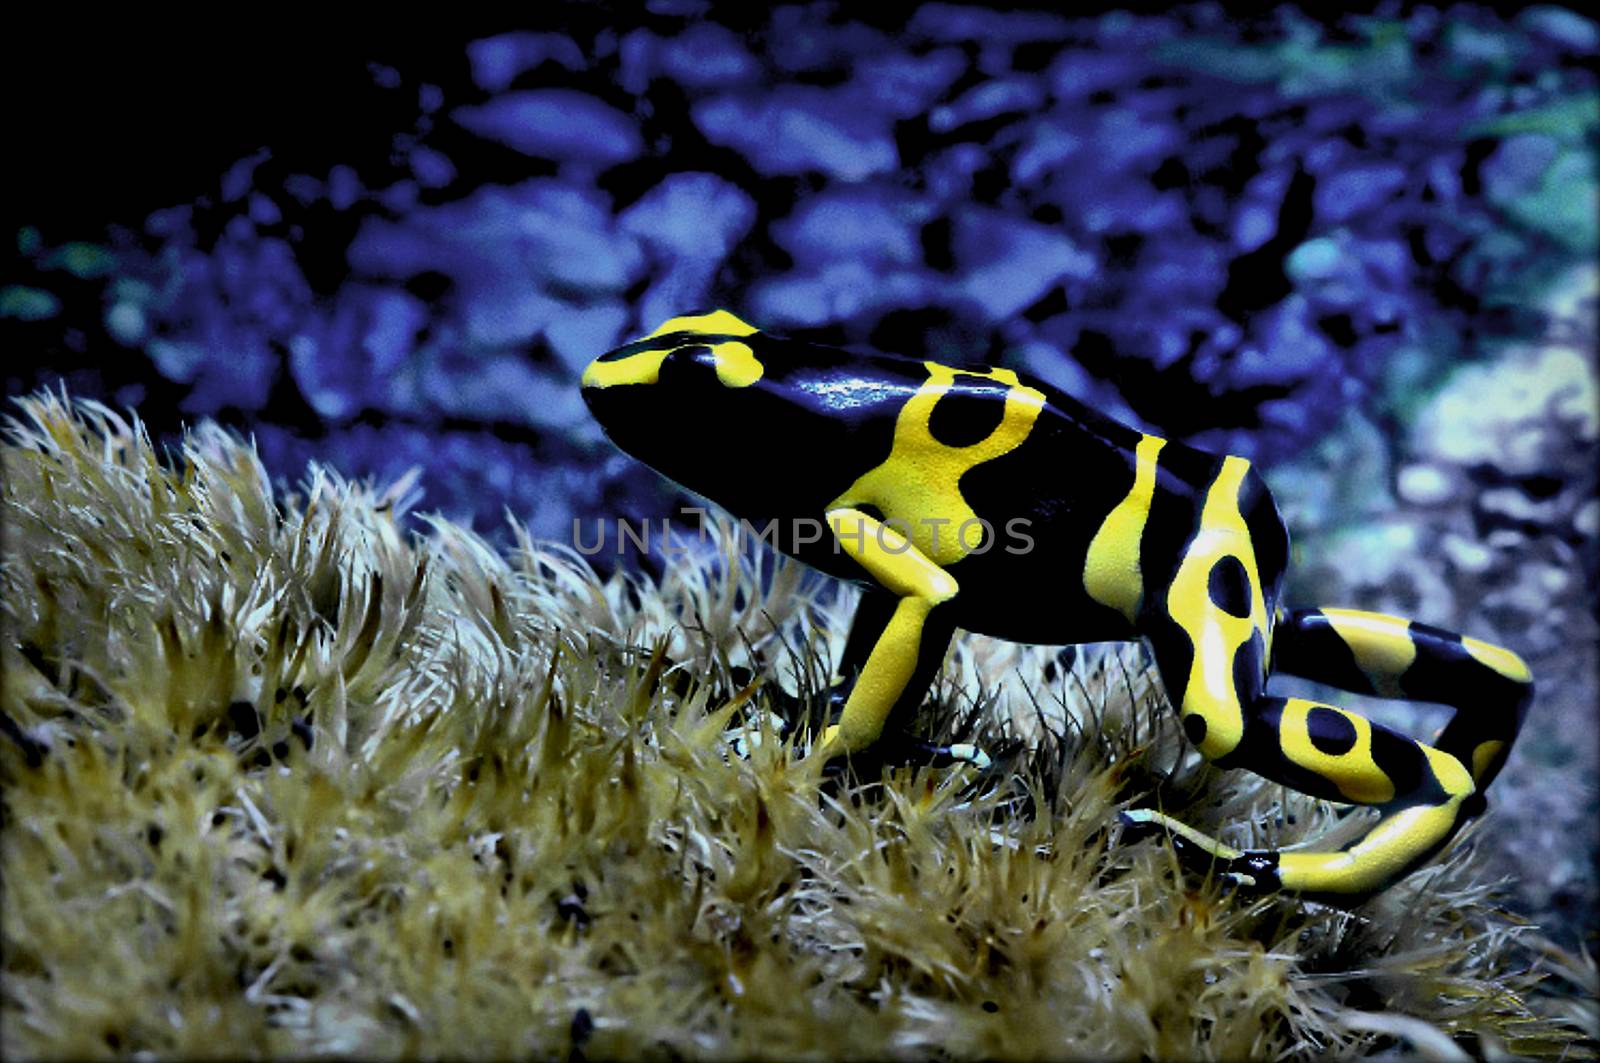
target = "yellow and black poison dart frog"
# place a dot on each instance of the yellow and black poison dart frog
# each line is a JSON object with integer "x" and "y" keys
{"x": 1114, "y": 534}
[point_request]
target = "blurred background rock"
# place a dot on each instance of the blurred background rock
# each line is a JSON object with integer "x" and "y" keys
{"x": 1360, "y": 250}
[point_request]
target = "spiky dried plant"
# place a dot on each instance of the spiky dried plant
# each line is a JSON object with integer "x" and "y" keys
{"x": 282, "y": 780}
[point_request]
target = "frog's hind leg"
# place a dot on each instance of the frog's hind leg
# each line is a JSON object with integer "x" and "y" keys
{"x": 1322, "y": 750}
{"x": 1489, "y": 688}
{"x": 1338, "y": 755}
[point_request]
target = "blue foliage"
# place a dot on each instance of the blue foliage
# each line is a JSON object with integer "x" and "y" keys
{"x": 496, "y": 61}
{"x": 866, "y": 222}
{"x": 707, "y": 56}
{"x": 1221, "y": 230}
{"x": 555, "y": 124}
{"x": 690, "y": 215}
{"x": 799, "y": 128}
{"x": 1007, "y": 263}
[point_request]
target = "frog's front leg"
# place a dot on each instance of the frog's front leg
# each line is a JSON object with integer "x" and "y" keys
{"x": 902, "y": 629}
{"x": 898, "y": 745}
{"x": 872, "y": 616}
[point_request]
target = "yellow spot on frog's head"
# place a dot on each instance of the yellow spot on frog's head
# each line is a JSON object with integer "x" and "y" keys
{"x": 736, "y": 363}
{"x": 644, "y": 367}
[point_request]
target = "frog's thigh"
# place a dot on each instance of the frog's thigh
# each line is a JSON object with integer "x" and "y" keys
{"x": 921, "y": 586}
{"x": 1371, "y": 653}
{"x": 1212, "y": 671}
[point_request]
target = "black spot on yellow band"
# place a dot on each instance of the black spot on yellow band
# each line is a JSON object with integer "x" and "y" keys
{"x": 1330, "y": 731}
{"x": 969, "y": 412}
{"x": 1229, "y": 586}
{"x": 1249, "y": 668}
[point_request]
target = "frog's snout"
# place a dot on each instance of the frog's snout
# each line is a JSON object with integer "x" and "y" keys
{"x": 607, "y": 401}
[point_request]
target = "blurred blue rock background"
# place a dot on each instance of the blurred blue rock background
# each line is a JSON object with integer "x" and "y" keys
{"x": 1358, "y": 249}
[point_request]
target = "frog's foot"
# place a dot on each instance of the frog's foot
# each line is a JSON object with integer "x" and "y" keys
{"x": 752, "y": 731}
{"x": 918, "y": 751}
{"x": 898, "y": 747}
{"x": 1248, "y": 870}
{"x": 938, "y": 756}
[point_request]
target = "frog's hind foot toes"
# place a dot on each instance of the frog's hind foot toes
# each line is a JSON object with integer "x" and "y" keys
{"x": 1250, "y": 871}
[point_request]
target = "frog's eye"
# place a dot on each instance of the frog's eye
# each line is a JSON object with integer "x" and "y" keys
{"x": 679, "y": 360}
{"x": 690, "y": 366}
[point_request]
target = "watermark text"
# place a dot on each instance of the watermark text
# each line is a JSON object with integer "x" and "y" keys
{"x": 891, "y": 535}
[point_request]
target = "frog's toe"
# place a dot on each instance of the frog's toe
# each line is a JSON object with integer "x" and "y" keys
{"x": 1246, "y": 870}
{"x": 967, "y": 753}
{"x": 912, "y": 750}
{"x": 752, "y": 731}
{"x": 1239, "y": 880}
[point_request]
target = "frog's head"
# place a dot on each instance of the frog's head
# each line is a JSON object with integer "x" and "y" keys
{"x": 725, "y": 410}
{"x": 679, "y": 397}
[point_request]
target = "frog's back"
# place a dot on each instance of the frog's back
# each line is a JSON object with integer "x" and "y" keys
{"x": 1085, "y": 511}
{"x": 1052, "y": 516}
{"x": 1112, "y": 513}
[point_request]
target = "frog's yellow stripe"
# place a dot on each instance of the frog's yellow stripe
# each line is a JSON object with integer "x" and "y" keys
{"x": 1382, "y": 646}
{"x": 1216, "y": 634}
{"x": 1354, "y": 772}
{"x": 1111, "y": 570}
{"x": 920, "y": 479}
{"x": 641, "y": 368}
{"x": 716, "y": 323}
{"x": 737, "y": 364}
{"x": 1500, "y": 659}
{"x": 882, "y": 680}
